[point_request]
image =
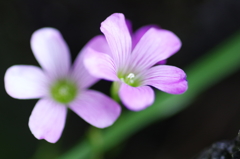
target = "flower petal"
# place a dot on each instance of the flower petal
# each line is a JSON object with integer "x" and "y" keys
{"x": 25, "y": 82}
{"x": 51, "y": 51}
{"x": 96, "y": 108}
{"x": 136, "y": 98}
{"x": 118, "y": 37}
{"x": 154, "y": 46}
{"x": 138, "y": 35}
{"x": 169, "y": 79}
{"x": 100, "y": 65}
{"x": 79, "y": 72}
{"x": 140, "y": 32}
{"x": 163, "y": 62}
{"x": 98, "y": 43}
{"x": 47, "y": 120}
{"x": 129, "y": 26}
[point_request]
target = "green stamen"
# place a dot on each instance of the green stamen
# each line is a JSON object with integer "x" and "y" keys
{"x": 64, "y": 91}
{"x": 130, "y": 79}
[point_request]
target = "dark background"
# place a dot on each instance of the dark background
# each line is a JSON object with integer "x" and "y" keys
{"x": 200, "y": 24}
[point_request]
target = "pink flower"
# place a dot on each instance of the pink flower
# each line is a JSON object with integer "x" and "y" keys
{"x": 131, "y": 61}
{"x": 59, "y": 87}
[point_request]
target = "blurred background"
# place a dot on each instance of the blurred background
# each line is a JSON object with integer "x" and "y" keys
{"x": 200, "y": 24}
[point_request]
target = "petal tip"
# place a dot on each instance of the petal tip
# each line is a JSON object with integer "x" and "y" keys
{"x": 180, "y": 88}
{"x": 184, "y": 86}
{"x": 137, "y": 108}
{"x": 51, "y": 51}
{"x": 47, "y": 31}
{"x": 40, "y": 136}
{"x": 47, "y": 120}
{"x": 113, "y": 18}
{"x": 24, "y": 82}
{"x": 136, "y": 98}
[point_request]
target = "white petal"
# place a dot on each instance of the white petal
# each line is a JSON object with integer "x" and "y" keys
{"x": 96, "y": 108}
{"x": 25, "y": 82}
{"x": 47, "y": 120}
{"x": 51, "y": 51}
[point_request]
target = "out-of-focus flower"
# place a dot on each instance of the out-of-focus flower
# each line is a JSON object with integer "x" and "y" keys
{"x": 59, "y": 86}
{"x": 130, "y": 61}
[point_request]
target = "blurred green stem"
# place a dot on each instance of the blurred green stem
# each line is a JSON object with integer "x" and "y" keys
{"x": 204, "y": 73}
{"x": 96, "y": 142}
{"x": 114, "y": 91}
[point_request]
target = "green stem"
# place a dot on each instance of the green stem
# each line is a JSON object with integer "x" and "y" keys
{"x": 95, "y": 139}
{"x": 114, "y": 91}
{"x": 207, "y": 71}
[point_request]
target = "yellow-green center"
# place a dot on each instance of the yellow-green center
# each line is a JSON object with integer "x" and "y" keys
{"x": 64, "y": 91}
{"x": 130, "y": 79}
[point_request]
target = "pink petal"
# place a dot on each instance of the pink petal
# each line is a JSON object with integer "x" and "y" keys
{"x": 51, "y": 51}
{"x": 163, "y": 62}
{"x": 96, "y": 108}
{"x": 138, "y": 35}
{"x": 79, "y": 72}
{"x": 25, "y": 82}
{"x": 140, "y": 32}
{"x": 100, "y": 65}
{"x": 169, "y": 79}
{"x": 98, "y": 43}
{"x": 136, "y": 98}
{"x": 118, "y": 37}
{"x": 47, "y": 120}
{"x": 154, "y": 46}
{"x": 129, "y": 26}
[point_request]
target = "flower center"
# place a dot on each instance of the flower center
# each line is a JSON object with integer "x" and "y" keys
{"x": 130, "y": 79}
{"x": 64, "y": 91}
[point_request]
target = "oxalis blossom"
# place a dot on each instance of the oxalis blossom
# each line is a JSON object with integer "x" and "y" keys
{"x": 132, "y": 61}
{"x": 59, "y": 86}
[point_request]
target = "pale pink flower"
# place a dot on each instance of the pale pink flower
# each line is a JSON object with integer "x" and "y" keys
{"x": 59, "y": 86}
{"x": 131, "y": 61}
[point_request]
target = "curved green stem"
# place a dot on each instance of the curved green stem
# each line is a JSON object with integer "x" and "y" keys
{"x": 207, "y": 71}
